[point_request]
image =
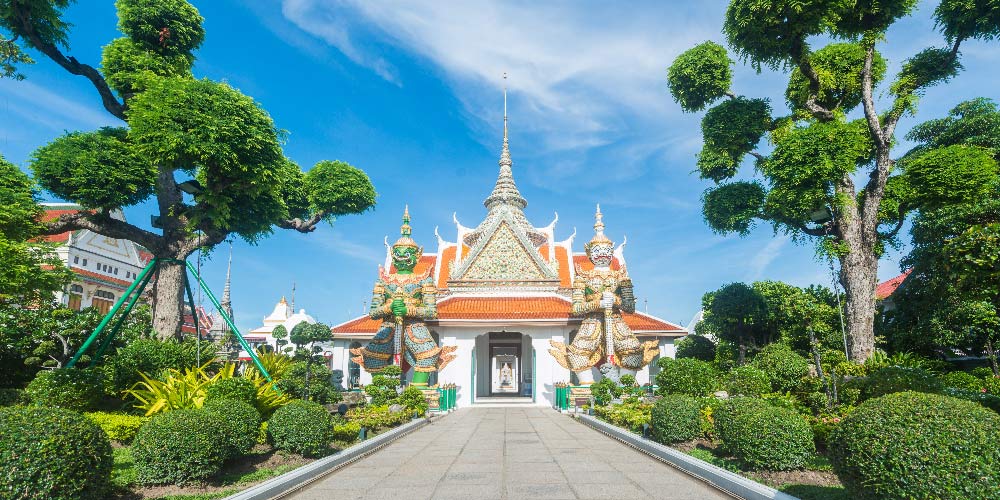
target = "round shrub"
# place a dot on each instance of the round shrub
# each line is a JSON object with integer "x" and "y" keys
{"x": 747, "y": 381}
{"x": 686, "y": 376}
{"x": 898, "y": 379}
{"x": 118, "y": 426}
{"x": 962, "y": 380}
{"x": 234, "y": 388}
{"x": 695, "y": 346}
{"x": 70, "y": 388}
{"x": 676, "y": 418}
{"x": 762, "y": 436}
{"x": 180, "y": 447}
{"x": 783, "y": 366}
{"x": 301, "y": 427}
{"x": 918, "y": 445}
{"x": 52, "y": 453}
{"x": 243, "y": 422}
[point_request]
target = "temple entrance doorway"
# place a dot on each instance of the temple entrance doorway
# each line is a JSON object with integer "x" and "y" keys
{"x": 504, "y": 367}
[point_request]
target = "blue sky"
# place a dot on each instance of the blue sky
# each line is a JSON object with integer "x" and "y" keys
{"x": 413, "y": 95}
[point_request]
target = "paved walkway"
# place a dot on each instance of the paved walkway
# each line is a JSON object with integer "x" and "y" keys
{"x": 507, "y": 453}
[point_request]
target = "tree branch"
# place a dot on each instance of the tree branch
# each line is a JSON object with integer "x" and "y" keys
{"x": 802, "y": 62}
{"x": 899, "y": 223}
{"x": 892, "y": 118}
{"x": 69, "y": 63}
{"x": 105, "y": 225}
{"x": 303, "y": 226}
{"x": 871, "y": 115}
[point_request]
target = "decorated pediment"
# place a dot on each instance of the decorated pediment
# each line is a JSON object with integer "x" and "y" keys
{"x": 504, "y": 255}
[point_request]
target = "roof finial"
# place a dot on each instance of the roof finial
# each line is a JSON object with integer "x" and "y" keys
{"x": 227, "y": 304}
{"x": 504, "y": 106}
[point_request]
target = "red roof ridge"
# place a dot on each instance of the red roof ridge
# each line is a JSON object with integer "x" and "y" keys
{"x": 886, "y": 288}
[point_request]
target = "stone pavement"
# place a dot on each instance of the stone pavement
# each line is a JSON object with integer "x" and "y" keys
{"x": 507, "y": 453}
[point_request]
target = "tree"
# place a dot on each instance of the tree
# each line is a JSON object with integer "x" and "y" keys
{"x": 808, "y": 187}
{"x": 946, "y": 302}
{"x": 29, "y": 271}
{"x": 736, "y": 313}
{"x": 207, "y": 154}
{"x": 695, "y": 346}
{"x": 280, "y": 334}
{"x": 305, "y": 336}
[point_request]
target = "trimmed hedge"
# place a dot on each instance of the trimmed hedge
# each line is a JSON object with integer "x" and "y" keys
{"x": 988, "y": 400}
{"x": 346, "y": 432}
{"x": 962, "y": 380}
{"x": 302, "y": 427}
{"x": 243, "y": 422}
{"x": 783, "y": 366}
{"x": 918, "y": 445}
{"x": 688, "y": 376}
{"x": 747, "y": 381}
{"x": 69, "y": 388}
{"x": 180, "y": 447}
{"x": 234, "y": 388}
{"x": 52, "y": 453}
{"x": 898, "y": 379}
{"x": 118, "y": 426}
{"x": 676, "y": 418}
{"x": 762, "y": 436}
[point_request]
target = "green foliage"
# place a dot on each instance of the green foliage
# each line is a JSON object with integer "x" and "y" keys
{"x": 732, "y": 207}
{"x": 374, "y": 417}
{"x": 914, "y": 445}
{"x": 301, "y": 427}
{"x": 951, "y": 175}
{"x": 631, "y": 415}
{"x": 176, "y": 389}
{"x": 747, "y": 381}
{"x": 695, "y": 346}
{"x": 412, "y": 399}
{"x": 925, "y": 69}
{"x": 95, "y": 169}
{"x": 771, "y": 33}
{"x": 699, "y": 76}
{"x": 676, "y": 418}
{"x": 763, "y": 436}
{"x": 898, "y": 379}
{"x": 686, "y": 376}
{"x": 346, "y": 432}
{"x": 180, "y": 447}
{"x": 978, "y": 396}
{"x": 838, "y": 67}
{"x": 22, "y": 275}
{"x": 12, "y": 397}
{"x": 731, "y": 130}
{"x": 383, "y": 387}
{"x": 128, "y": 65}
{"x": 975, "y": 122}
{"x": 51, "y": 453}
{"x": 118, "y": 426}
{"x": 860, "y": 17}
{"x": 164, "y": 26}
{"x": 336, "y": 189}
{"x": 784, "y": 368}
{"x": 234, "y": 388}
{"x": 962, "y": 380}
{"x": 70, "y": 388}
{"x": 604, "y": 391}
{"x": 736, "y": 313}
{"x": 321, "y": 390}
{"x": 242, "y": 423}
{"x": 154, "y": 357}
{"x": 960, "y": 19}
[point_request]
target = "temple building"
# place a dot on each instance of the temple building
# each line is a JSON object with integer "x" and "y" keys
{"x": 504, "y": 298}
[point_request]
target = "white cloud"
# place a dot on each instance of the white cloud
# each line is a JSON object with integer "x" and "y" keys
{"x": 765, "y": 256}
{"x": 25, "y": 101}
{"x": 336, "y": 241}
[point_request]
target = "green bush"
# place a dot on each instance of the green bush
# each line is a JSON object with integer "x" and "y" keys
{"x": 153, "y": 357}
{"x": 962, "y": 380}
{"x": 383, "y": 387}
{"x": 686, "y": 376}
{"x": 604, "y": 391}
{"x": 301, "y": 427}
{"x": 11, "y": 397}
{"x": 374, "y": 417}
{"x": 243, "y": 422}
{"x": 69, "y": 388}
{"x": 676, "y": 418}
{"x": 630, "y": 415}
{"x": 762, "y": 436}
{"x": 233, "y": 388}
{"x": 984, "y": 398}
{"x": 898, "y": 379}
{"x": 118, "y": 426}
{"x": 695, "y": 346}
{"x": 982, "y": 372}
{"x": 992, "y": 385}
{"x": 346, "y": 431}
{"x": 180, "y": 447}
{"x": 412, "y": 399}
{"x": 321, "y": 390}
{"x": 783, "y": 366}
{"x": 918, "y": 445}
{"x": 52, "y": 453}
{"x": 747, "y": 381}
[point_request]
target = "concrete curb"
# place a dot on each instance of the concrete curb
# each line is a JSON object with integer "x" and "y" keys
{"x": 731, "y": 483}
{"x": 297, "y": 479}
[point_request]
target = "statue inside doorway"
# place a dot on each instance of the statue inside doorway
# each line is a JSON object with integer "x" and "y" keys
{"x": 600, "y": 296}
{"x": 403, "y": 300}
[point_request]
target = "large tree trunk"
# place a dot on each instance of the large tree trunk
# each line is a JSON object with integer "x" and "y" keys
{"x": 168, "y": 296}
{"x": 858, "y": 276}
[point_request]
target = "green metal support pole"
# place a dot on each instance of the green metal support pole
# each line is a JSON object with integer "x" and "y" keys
{"x": 111, "y": 314}
{"x": 229, "y": 321}
{"x": 121, "y": 319}
{"x": 194, "y": 312}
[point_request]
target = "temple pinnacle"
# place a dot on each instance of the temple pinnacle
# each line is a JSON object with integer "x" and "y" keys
{"x": 505, "y": 191}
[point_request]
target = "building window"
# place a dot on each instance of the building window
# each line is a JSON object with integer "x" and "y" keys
{"x": 76, "y": 259}
{"x": 75, "y": 301}
{"x": 103, "y": 301}
{"x": 353, "y": 369}
{"x": 84, "y": 262}
{"x": 116, "y": 271}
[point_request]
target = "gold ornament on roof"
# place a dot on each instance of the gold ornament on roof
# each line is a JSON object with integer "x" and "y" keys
{"x": 599, "y": 237}
{"x": 404, "y": 239}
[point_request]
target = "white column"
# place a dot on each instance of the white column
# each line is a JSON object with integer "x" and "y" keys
{"x": 548, "y": 370}
{"x": 459, "y": 371}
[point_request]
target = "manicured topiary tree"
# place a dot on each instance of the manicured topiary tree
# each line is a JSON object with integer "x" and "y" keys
{"x": 695, "y": 346}
{"x": 676, "y": 418}
{"x": 52, "y": 453}
{"x": 242, "y": 420}
{"x": 762, "y": 436}
{"x": 747, "y": 381}
{"x": 917, "y": 445}
{"x": 70, "y": 388}
{"x": 686, "y": 376}
{"x": 180, "y": 447}
{"x": 301, "y": 427}
{"x": 784, "y": 367}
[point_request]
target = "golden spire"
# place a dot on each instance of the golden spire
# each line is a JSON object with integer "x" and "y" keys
{"x": 599, "y": 237}
{"x": 405, "y": 231}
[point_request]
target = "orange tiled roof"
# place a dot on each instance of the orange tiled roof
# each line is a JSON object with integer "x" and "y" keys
{"x": 51, "y": 215}
{"x": 103, "y": 277}
{"x": 888, "y": 287}
{"x": 447, "y": 256}
{"x": 512, "y": 308}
